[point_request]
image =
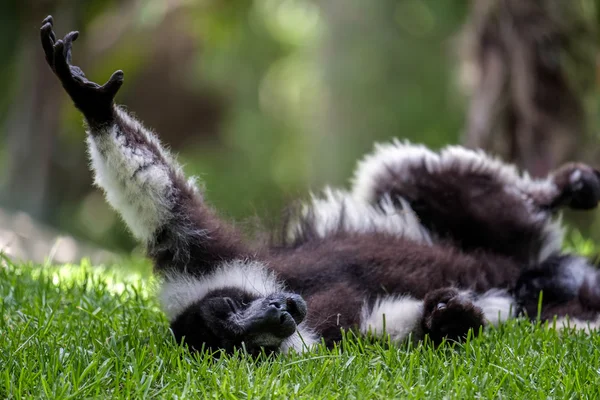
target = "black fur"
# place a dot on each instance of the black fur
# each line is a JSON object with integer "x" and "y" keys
{"x": 449, "y": 315}
{"x": 556, "y": 285}
{"x": 231, "y": 318}
{"x": 472, "y": 209}
{"x": 195, "y": 240}
{"x": 487, "y": 231}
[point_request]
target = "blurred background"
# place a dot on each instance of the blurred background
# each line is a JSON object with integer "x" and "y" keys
{"x": 268, "y": 99}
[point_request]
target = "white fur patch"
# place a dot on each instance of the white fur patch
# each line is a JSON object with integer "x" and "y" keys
{"x": 553, "y": 236}
{"x": 398, "y": 316}
{"x": 178, "y": 291}
{"x": 337, "y": 210}
{"x": 588, "y": 327}
{"x": 402, "y": 157}
{"x": 497, "y": 306}
{"x": 303, "y": 340}
{"x": 398, "y": 156}
{"x": 136, "y": 179}
{"x": 574, "y": 273}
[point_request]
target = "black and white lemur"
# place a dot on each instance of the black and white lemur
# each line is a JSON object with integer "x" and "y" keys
{"x": 424, "y": 243}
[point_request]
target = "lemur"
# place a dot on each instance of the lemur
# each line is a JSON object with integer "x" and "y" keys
{"x": 423, "y": 244}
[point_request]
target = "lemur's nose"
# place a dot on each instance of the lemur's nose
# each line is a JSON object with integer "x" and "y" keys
{"x": 287, "y": 303}
{"x": 277, "y": 304}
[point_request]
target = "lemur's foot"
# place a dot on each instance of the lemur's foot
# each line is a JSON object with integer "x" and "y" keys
{"x": 450, "y": 314}
{"x": 93, "y": 100}
{"x": 579, "y": 185}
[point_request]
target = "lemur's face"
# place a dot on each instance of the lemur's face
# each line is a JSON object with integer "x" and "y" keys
{"x": 232, "y": 318}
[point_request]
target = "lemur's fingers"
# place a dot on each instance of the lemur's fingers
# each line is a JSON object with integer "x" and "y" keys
{"x": 69, "y": 74}
{"x": 48, "y": 20}
{"x": 61, "y": 67}
{"x": 68, "y": 40}
{"x": 48, "y": 40}
{"x": 72, "y": 74}
{"x": 112, "y": 86}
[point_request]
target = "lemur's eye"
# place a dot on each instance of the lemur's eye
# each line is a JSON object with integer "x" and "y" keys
{"x": 231, "y": 305}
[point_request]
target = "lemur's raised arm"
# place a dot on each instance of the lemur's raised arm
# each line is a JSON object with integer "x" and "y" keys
{"x": 214, "y": 293}
{"x": 141, "y": 179}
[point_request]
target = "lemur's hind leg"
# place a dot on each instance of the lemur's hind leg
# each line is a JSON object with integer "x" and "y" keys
{"x": 476, "y": 201}
{"x": 141, "y": 180}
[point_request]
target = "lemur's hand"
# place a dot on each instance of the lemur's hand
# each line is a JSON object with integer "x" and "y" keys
{"x": 93, "y": 100}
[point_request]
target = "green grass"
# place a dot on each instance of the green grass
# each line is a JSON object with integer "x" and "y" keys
{"x": 90, "y": 332}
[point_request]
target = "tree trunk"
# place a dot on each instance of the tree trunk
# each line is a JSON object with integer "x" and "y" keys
{"x": 524, "y": 104}
{"x": 32, "y": 124}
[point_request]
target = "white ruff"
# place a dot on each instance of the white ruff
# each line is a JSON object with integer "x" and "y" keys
{"x": 302, "y": 340}
{"x": 497, "y": 306}
{"x": 400, "y": 159}
{"x": 179, "y": 291}
{"x": 398, "y": 316}
{"x": 135, "y": 178}
{"x": 338, "y": 211}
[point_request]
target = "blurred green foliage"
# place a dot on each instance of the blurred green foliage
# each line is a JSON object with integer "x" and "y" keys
{"x": 305, "y": 88}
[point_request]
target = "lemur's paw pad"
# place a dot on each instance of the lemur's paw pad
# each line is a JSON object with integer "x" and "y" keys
{"x": 450, "y": 314}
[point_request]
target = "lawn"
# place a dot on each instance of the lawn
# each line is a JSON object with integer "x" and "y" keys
{"x": 78, "y": 331}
